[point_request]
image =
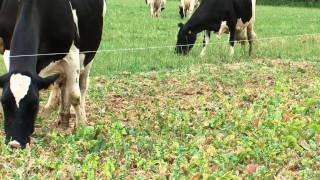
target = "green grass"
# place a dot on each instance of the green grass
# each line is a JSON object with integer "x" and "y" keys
{"x": 153, "y": 114}
{"x": 130, "y": 26}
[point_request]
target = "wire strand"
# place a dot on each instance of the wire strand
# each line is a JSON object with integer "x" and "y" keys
{"x": 161, "y": 47}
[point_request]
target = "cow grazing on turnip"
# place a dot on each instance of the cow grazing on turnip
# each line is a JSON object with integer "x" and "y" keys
{"x": 40, "y": 29}
{"x": 8, "y": 16}
{"x": 238, "y": 14}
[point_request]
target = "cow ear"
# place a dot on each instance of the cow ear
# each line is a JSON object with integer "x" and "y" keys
{"x": 180, "y": 25}
{"x": 44, "y": 83}
{"x": 4, "y": 79}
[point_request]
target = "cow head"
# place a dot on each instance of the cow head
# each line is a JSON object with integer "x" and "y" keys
{"x": 20, "y": 102}
{"x": 185, "y": 40}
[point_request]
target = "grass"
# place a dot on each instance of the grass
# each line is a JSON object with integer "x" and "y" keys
{"x": 153, "y": 114}
{"x": 132, "y": 27}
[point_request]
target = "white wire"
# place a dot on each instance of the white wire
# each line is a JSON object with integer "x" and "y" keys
{"x": 161, "y": 47}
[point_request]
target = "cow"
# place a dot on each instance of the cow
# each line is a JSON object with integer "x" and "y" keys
{"x": 240, "y": 36}
{"x": 156, "y": 6}
{"x": 46, "y": 48}
{"x": 187, "y": 7}
{"x": 8, "y": 15}
{"x": 238, "y": 14}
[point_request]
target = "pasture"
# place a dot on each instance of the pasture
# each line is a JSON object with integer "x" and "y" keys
{"x": 154, "y": 114}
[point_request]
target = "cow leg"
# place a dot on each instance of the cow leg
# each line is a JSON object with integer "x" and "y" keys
{"x": 206, "y": 40}
{"x": 241, "y": 37}
{"x": 158, "y": 11}
{"x": 163, "y": 4}
{"x": 232, "y": 29}
{"x": 189, "y": 12}
{"x": 72, "y": 94}
{"x": 191, "y": 8}
{"x": 64, "y": 106}
{"x": 251, "y": 37}
{"x": 53, "y": 98}
{"x": 84, "y": 83}
{"x": 151, "y": 10}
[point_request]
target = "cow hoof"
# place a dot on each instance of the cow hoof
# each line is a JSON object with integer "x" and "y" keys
{"x": 63, "y": 124}
{"x": 64, "y": 121}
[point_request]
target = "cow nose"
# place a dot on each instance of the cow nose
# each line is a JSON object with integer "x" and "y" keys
{"x": 14, "y": 144}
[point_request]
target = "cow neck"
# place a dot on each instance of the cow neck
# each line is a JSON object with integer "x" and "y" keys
{"x": 194, "y": 25}
{"x": 26, "y": 40}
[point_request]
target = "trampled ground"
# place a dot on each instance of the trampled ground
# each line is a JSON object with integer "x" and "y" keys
{"x": 153, "y": 114}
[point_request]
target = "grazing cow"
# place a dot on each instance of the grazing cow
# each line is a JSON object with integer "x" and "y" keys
{"x": 8, "y": 15}
{"x": 239, "y": 14}
{"x": 240, "y": 36}
{"x": 156, "y": 6}
{"x": 40, "y": 30}
{"x": 187, "y": 7}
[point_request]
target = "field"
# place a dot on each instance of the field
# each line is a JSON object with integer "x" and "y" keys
{"x": 154, "y": 114}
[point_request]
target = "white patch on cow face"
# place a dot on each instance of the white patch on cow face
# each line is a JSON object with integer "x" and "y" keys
{"x": 19, "y": 86}
{"x": 6, "y": 59}
{"x": 104, "y": 12}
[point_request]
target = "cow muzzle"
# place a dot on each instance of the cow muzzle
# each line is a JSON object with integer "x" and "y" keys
{"x": 14, "y": 144}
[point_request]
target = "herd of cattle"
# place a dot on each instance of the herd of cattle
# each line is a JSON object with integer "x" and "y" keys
{"x": 235, "y": 17}
{"x": 41, "y": 49}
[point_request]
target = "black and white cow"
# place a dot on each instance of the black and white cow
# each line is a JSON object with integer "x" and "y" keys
{"x": 8, "y": 16}
{"x": 210, "y": 15}
{"x": 63, "y": 27}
